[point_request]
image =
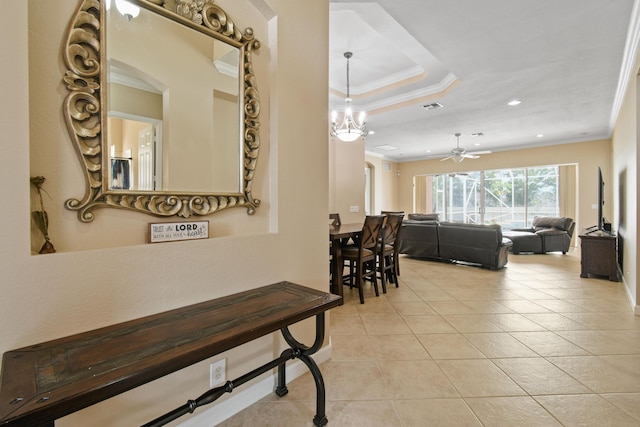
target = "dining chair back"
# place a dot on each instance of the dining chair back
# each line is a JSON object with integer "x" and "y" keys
{"x": 392, "y": 213}
{"x": 389, "y": 249}
{"x": 335, "y": 222}
{"x": 361, "y": 257}
{"x": 335, "y": 219}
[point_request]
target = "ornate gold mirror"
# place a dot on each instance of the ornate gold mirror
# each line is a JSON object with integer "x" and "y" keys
{"x": 163, "y": 107}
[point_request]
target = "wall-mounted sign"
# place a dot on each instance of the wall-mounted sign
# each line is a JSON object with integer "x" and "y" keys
{"x": 172, "y": 231}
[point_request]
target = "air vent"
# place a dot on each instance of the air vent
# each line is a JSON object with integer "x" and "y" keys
{"x": 477, "y": 134}
{"x": 386, "y": 147}
{"x": 433, "y": 106}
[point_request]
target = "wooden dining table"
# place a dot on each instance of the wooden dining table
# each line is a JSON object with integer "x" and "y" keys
{"x": 338, "y": 235}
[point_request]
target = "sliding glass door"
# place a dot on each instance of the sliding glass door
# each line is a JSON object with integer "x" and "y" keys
{"x": 505, "y": 196}
{"x": 457, "y": 197}
{"x": 509, "y": 197}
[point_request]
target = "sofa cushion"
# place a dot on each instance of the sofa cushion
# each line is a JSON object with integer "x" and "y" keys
{"x": 550, "y": 232}
{"x": 423, "y": 217}
{"x": 471, "y": 232}
{"x": 542, "y": 222}
{"x": 474, "y": 243}
{"x": 418, "y": 224}
{"x": 419, "y": 238}
{"x": 525, "y": 241}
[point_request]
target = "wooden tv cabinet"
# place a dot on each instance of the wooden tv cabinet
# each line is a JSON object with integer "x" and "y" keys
{"x": 599, "y": 255}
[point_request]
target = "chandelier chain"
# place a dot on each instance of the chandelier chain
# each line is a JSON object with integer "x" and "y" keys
{"x": 348, "y": 56}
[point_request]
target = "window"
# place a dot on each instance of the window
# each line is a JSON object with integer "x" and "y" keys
{"x": 509, "y": 197}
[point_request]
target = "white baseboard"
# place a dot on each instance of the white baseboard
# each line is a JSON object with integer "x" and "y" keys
{"x": 636, "y": 308}
{"x": 245, "y": 398}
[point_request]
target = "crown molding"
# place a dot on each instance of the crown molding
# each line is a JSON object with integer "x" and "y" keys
{"x": 628, "y": 68}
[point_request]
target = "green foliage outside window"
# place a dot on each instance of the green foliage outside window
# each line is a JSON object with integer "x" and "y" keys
{"x": 510, "y": 197}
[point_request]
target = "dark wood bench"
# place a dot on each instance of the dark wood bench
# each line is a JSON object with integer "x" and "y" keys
{"x": 50, "y": 380}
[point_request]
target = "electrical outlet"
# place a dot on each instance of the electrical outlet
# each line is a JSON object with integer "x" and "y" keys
{"x": 217, "y": 373}
{"x": 354, "y": 209}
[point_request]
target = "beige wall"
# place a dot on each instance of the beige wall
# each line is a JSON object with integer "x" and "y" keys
{"x": 347, "y": 179}
{"x": 385, "y": 183}
{"x": 104, "y": 272}
{"x": 625, "y": 180}
{"x": 126, "y": 99}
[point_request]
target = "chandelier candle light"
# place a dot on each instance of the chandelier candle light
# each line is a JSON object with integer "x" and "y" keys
{"x": 350, "y": 129}
{"x": 127, "y": 9}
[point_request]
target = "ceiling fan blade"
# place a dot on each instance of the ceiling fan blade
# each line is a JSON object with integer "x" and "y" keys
{"x": 446, "y": 158}
{"x": 470, "y": 156}
{"x": 480, "y": 152}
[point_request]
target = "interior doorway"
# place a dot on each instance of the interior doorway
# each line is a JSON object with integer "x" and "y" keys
{"x": 135, "y": 152}
{"x": 368, "y": 188}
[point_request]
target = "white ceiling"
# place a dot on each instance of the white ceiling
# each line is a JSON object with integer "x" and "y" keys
{"x": 563, "y": 59}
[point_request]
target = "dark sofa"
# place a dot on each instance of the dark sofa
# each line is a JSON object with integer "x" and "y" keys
{"x": 546, "y": 234}
{"x": 474, "y": 243}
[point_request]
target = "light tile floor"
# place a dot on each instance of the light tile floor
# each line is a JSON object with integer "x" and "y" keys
{"x": 457, "y": 345}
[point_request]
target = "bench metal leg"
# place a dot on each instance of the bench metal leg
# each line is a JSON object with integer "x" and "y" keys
{"x": 304, "y": 354}
{"x": 297, "y": 350}
{"x": 215, "y": 393}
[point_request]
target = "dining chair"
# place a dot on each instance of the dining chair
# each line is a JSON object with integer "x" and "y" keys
{"x": 335, "y": 219}
{"x": 392, "y": 213}
{"x": 397, "y": 272}
{"x": 361, "y": 257}
{"x": 389, "y": 250}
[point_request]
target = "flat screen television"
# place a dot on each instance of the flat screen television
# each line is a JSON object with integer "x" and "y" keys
{"x": 600, "y": 200}
{"x": 602, "y": 222}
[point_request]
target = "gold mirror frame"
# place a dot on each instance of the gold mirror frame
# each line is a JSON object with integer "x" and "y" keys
{"x": 85, "y": 110}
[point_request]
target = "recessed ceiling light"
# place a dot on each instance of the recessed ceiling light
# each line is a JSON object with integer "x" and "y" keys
{"x": 476, "y": 144}
{"x": 539, "y": 135}
{"x": 371, "y": 132}
{"x": 428, "y": 151}
{"x": 514, "y": 102}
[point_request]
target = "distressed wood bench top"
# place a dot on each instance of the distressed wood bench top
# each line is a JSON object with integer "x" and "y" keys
{"x": 46, "y": 381}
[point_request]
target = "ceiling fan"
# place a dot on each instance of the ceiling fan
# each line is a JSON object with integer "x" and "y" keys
{"x": 458, "y": 154}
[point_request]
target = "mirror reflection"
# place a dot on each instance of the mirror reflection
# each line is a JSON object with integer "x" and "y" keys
{"x": 162, "y": 107}
{"x": 173, "y": 115}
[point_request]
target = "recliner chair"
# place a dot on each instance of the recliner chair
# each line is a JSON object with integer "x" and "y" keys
{"x": 554, "y": 234}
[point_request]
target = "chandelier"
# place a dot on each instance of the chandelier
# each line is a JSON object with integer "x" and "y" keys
{"x": 349, "y": 129}
{"x": 127, "y": 9}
